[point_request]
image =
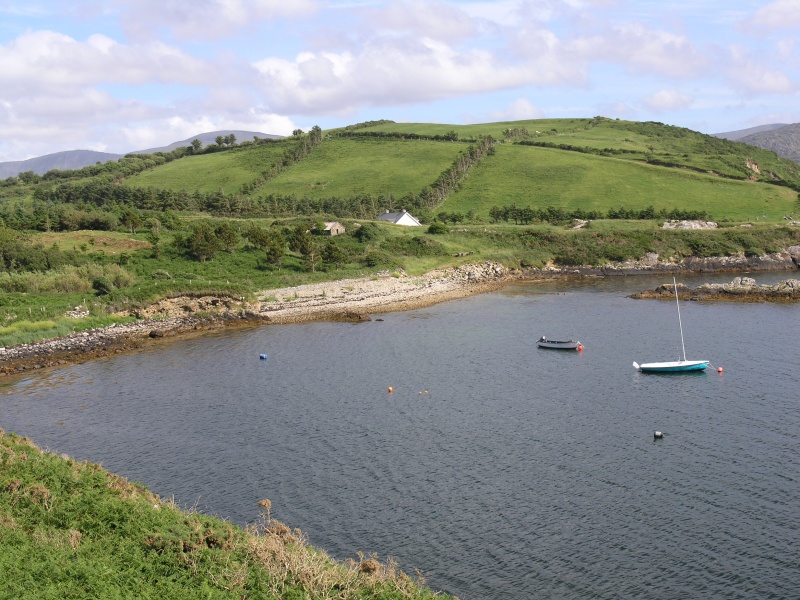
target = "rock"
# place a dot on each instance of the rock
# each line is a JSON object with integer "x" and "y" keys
{"x": 741, "y": 289}
{"x": 155, "y": 333}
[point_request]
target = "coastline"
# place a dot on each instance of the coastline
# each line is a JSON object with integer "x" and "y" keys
{"x": 351, "y": 300}
{"x": 342, "y": 300}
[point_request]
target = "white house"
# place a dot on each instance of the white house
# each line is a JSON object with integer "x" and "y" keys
{"x": 400, "y": 218}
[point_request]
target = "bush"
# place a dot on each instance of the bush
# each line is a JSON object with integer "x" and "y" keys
{"x": 437, "y": 228}
{"x": 377, "y": 258}
{"x": 102, "y": 285}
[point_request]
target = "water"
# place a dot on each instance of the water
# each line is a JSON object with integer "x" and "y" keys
{"x": 497, "y": 469}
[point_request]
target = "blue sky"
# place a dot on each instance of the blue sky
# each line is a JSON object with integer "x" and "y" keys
{"x": 121, "y": 75}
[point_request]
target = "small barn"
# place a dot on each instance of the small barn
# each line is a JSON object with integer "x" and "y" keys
{"x": 400, "y": 218}
{"x": 333, "y": 228}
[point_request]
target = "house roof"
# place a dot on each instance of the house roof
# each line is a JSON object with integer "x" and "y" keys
{"x": 396, "y": 217}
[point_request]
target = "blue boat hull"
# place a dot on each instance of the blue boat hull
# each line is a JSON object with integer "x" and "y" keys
{"x": 681, "y": 366}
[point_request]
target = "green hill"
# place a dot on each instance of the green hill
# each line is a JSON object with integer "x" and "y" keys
{"x": 69, "y": 529}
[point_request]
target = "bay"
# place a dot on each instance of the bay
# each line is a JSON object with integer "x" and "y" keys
{"x": 496, "y": 468}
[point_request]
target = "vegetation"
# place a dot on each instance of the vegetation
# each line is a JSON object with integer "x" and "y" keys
{"x": 69, "y": 529}
{"x": 79, "y": 248}
{"x": 234, "y": 219}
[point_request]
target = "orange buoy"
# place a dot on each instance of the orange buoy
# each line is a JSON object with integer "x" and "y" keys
{"x": 580, "y": 347}
{"x": 390, "y": 390}
{"x": 720, "y": 370}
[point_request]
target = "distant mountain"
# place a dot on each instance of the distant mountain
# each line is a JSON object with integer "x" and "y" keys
{"x": 77, "y": 159}
{"x": 70, "y": 159}
{"x": 210, "y": 138}
{"x": 738, "y": 135}
{"x": 784, "y": 142}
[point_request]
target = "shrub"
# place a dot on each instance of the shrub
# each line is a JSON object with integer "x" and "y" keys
{"x": 102, "y": 285}
{"x": 437, "y": 228}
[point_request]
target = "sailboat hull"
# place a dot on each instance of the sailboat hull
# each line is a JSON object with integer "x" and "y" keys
{"x": 680, "y": 366}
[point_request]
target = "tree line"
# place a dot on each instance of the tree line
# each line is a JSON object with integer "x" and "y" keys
{"x": 559, "y": 216}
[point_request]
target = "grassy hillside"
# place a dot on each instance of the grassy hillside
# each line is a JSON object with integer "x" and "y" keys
{"x": 69, "y": 529}
{"x": 541, "y": 177}
{"x": 352, "y": 167}
{"x": 226, "y": 171}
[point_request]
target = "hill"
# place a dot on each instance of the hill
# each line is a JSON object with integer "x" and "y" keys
{"x": 70, "y": 159}
{"x": 740, "y": 133}
{"x": 784, "y": 142}
{"x": 77, "y": 159}
{"x": 210, "y": 138}
{"x": 70, "y": 529}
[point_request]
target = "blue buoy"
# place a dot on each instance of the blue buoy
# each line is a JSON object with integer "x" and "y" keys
{"x": 262, "y": 356}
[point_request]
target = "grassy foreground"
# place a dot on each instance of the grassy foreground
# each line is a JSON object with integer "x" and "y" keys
{"x": 70, "y": 529}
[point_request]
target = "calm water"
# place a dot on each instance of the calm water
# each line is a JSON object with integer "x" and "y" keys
{"x": 497, "y": 469}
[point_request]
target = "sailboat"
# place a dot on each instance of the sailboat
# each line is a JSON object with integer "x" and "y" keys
{"x": 678, "y": 366}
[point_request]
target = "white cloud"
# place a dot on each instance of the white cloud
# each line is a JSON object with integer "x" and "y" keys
{"x": 424, "y": 18}
{"x": 646, "y": 51}
{"x": 781, "y": 14}
{"x": 519, "y": 110}
{"x": 205, "y": 19}
{"x": 48, "y": 62}
{"x": 752, "y": 74}
{"x": 665, "y": 100}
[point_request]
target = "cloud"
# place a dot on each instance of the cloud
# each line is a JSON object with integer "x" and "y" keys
{"x": 519, "y": 110}
{"x": 778, "y": 15}
{"x": 49, "y": 62}
{"x": 665, "y": 100}
{"x": 204, "y": 19}
{"x": 645, "y": 51}
{"x": 424, "y": 18}
{"x": 753, "y": 75}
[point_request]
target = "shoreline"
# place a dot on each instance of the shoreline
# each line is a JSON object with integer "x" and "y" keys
{"x": 349, "y": 300}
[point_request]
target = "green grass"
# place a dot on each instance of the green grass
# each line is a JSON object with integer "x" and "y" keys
{"x": 352, "y": 167}
{"x": 26, "y": 332}
{"x": 69, "y": 529}
{"x": 542, "y": 177}
{"x": 221, "y": 171}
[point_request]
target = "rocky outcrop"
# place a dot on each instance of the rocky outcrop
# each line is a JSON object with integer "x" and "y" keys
{"x": 689, "y": 225}
{"x": 105, "y": 341}
{"x": 651, "y": 263}
{"x": 741, "y": 289}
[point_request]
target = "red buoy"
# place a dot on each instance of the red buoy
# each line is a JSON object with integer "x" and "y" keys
{"x": 720, "y": 370}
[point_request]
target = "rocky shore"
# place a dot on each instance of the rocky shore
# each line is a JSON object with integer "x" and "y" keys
{"x": 346, "y": 300}
{"x": 355, "y": 299}
{"x": 741, "y": 289}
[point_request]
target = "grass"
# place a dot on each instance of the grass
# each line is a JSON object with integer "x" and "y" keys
{"x": 222, "y": 171}
{"x": 27, "y": 332}
{"x": 542, "y": 177}
{"x": 352, "y": 167}
{"x": 70, "y": 529}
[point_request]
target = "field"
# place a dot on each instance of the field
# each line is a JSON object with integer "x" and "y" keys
{"x": 542, "y": 177}
{"x": 221, "y": 171}
{"x": 353, "y": 167}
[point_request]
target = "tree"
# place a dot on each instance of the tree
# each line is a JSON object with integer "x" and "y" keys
{"x": 297, "y": 132}
{"x": 220, "y": 140}
{"x": 197, "y": 145}
{"x": 275, "y": 251}
{"x": 202, "y": 243}
{"x": 227, "y": 236}
{"x": 333, "y": 254}
{"x": 131, "y": 219}
{"x": 310, "y": 253}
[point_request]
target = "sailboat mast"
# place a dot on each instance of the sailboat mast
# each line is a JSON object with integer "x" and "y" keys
{"x": 680, "y": 325}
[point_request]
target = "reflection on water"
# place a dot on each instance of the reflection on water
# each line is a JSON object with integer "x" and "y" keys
{"x": 520, "y": 473}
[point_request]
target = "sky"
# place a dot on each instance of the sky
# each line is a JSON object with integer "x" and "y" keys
{"x": 123, "y": 75}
